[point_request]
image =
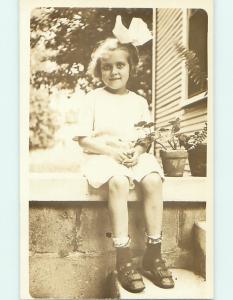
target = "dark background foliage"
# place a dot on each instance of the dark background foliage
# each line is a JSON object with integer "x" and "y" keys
{"x": 66, "y": 37}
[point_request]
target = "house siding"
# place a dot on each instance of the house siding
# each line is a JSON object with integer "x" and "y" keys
{"x": 170, "y": 74}
{"x": 168, "y": 77}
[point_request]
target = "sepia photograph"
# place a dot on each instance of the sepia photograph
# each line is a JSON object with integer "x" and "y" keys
{"x": 117, "y": 143}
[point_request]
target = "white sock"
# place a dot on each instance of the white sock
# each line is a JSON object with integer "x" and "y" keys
{"x": 121, "y": 241}
{"x": 153, "y": 239}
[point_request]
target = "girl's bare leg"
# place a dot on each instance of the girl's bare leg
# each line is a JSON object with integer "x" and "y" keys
{"x": 129, "y": 278}
{"x": 117, "y": 204}
{"x": 153, "y": 209}
{"x": 151, "y": 186}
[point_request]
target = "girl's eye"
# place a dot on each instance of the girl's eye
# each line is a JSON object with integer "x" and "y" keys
{"x": 106, "y": 67}
{"x": 120, "y": 65}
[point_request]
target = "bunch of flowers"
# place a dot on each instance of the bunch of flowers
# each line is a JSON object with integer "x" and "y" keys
{"x": 169, "y": 137}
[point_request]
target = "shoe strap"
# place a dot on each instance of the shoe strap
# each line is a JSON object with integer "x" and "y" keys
{"x": 128, "y": 270}
{"x": 161, "y": 268}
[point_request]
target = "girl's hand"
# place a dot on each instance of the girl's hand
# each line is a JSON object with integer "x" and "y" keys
{"x": 119, "y": 155}
{"x": 132, "y": 160}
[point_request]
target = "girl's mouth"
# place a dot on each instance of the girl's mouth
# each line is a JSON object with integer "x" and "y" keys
{"x": 113, "y": 79}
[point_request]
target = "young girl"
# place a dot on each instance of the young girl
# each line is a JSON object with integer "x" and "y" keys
{"x": 107, "y": 134}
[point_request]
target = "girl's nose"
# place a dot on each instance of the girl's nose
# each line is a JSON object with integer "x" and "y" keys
{"x": 114, "y": 70}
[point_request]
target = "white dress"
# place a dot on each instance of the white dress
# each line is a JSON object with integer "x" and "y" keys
{"x": 112, "y": 117}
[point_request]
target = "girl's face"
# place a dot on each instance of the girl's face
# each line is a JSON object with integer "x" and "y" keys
{"x": 115, "y": 70}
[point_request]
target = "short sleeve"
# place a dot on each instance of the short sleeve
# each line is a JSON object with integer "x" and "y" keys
{"x": 86, "y": 116}
{"x": 145, "y": 113}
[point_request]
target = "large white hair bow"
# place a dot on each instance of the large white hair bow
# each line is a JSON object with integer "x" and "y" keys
{"x": 137, "y": 34}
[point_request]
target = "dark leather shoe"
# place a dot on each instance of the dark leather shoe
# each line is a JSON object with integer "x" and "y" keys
{"x": 158, "y": 273}
{"x": 130, "y": 279}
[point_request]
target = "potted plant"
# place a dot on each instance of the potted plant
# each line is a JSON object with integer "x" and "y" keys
{"x": 196, "y": 147}
{"x": 172, "y": 155}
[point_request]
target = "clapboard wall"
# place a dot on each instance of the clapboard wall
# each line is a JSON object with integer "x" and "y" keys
{"x": 171, "y": 26}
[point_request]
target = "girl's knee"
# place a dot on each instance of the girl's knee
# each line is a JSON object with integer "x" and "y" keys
{"x": 119, "y": 183}
{"x": 151, "y": 182}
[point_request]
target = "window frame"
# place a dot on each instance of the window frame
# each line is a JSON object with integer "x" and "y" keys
{"x": 203, "y": 95}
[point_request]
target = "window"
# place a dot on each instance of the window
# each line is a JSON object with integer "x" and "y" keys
{"x": 197, "y": 42}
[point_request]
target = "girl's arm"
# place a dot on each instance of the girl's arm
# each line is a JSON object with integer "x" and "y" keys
{"x": 140, "y": 149}
{"x": 94, "y": 145}
{"x": 98, "y": 146}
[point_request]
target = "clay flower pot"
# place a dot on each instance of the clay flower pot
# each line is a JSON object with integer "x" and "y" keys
{"x": 197, "y": 160}
{"x": 174, "y": 162}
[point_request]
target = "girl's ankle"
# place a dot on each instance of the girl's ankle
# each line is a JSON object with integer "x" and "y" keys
{"x": 152, "y": 252}
{"x": 123, "y": 256}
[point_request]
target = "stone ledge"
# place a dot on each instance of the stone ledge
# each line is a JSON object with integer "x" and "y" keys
{"x": 74, "y": 187}
{"x": 200, "y": 247}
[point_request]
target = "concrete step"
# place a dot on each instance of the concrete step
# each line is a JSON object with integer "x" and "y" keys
{"x": 85, "y": 276}
{"x": 81, "y": 227}
{"x": 80, "y": 276}
{"x": 200, "y": 247}
{"x": 71, "y": 256}
{"x": 187, "y": 286}
{"x": 72, "y": 186}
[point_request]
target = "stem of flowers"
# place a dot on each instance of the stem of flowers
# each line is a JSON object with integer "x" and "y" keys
{"x": 161, "y": 145}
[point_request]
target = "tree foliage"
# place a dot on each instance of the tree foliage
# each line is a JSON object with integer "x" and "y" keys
{"x": 43, "y": 121}
{"x": 69, "y": 35}
{"x": 62, "y": 40}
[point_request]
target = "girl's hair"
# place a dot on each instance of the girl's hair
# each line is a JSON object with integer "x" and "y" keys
{"x": 108, "y": 45}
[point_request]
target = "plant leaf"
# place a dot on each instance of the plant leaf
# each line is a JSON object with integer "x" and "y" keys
{"x": 163, "y": 129}
{"x": 148, "y": 125}
{"x": 140, "y": 124}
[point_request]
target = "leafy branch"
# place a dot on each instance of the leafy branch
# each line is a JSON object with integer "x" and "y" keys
{"x": 192, "y": 64}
